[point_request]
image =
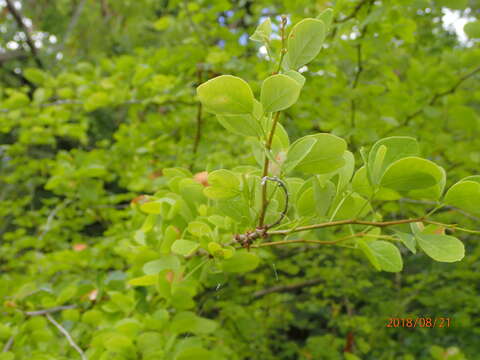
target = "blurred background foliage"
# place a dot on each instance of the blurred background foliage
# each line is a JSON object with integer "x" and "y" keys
{"x": 97, "y": 97}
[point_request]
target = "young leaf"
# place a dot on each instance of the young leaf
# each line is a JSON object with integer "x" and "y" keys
{"x": 327, "y": 17}
{"x": 305, "y": 42}
{"x": 442, "y": 248}
{"x": 246, "y": 124}
{"x": 465, "y": 195}
{"x": 198, "y": 228}
{"x": 223, "y": 185}
{"x": 412, "y": 173}
{"x": 395, "y": 148}
{"x": 279, "y": 92}
{"x": 263, "y": 31}
{"x": 408, "y": 240}
{"x": 166, "y": 262}
{"x": 184, "y": 247}
{"x": 326, "y": 155}
{"x": 188, "y": 322}
{"x": 387, "y": 254}
{"x": 297, "y": 152}
{"x": 368, "y": 252}
{"x": 226, "y": 94}
{"x": 241, "y": 261}
{"x": 295, "y": 75}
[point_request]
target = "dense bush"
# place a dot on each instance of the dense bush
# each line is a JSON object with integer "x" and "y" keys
{"x": 212, "y": 180}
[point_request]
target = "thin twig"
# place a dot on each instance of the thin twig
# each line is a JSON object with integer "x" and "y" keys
{"x": 285, "y": 190}
{"x": 347, "y": 222}
{"x": 18, "y": 18}
{"x": 305, "y": 241}
{"x": 67, "y": 335}
{"x": 50, "y": 310}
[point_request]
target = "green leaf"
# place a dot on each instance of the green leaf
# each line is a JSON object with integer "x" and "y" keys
{"x": 326, "y": 155}
{"x": 198, "y": 228}
{"x": 166, "y": 262}
{"x": 351, "y": 207}
{"x": 194, "y": 353}
{"x": 184, "y": 247}
{"x": 263, "y": 31}
{"x": 444, "y": 248}
{"x": 240, "y": 262}
{"x": 188, "y": 322}
{"x": 35, "y": 75}
{"x": 95, "y": 101}
{"x": 145, "y": 280}
{"x": 388, "y": 150}
{"x": 305, "y": 42}
{"x": 295, "y": 75}
{"x": 16, "y": 100}
{"x": 368, "y": 252}
{"x": 279, "y": 92}
{"x": 226, "y": 94}
{"x": 327, "y": 17}
{"x": 412, "y": 173}
{"x": 223, "y": 184}
{"x": 246, "y": 124}
{"x": 155, "y": 206}
{"x": 387, "y": 254}
{"x": 297, "y": 152}
{"x": 408, "y": 240}
{"x": 464, "y": 195}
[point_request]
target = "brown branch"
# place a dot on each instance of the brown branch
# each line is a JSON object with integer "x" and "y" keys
{"x": 305, "y": 241}
{"x": 287, "y": 288}
{"x": 348, "y": 222}
{"x": 18, "y": 18}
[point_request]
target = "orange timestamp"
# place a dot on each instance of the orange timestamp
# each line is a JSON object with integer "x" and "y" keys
{"x": 419, "y": 322}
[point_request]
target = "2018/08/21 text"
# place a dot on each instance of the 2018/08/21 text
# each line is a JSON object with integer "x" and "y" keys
{"x": 422, "y": 322}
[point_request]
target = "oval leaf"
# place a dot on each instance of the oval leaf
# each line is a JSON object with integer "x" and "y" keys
{"x": 279, "y": 92}
{"x": 412, "y": 173}
{"x": 226, "y": 94}
{"x": 387, "y": 255}
{"x": 241, "y": 261}
{"x": 184, "y": 247}
{"x": 325, "y": 156}
{"x": 305, "y": 42}
{"x": 442, "y": 248}
{"x": 465, "y": 195}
